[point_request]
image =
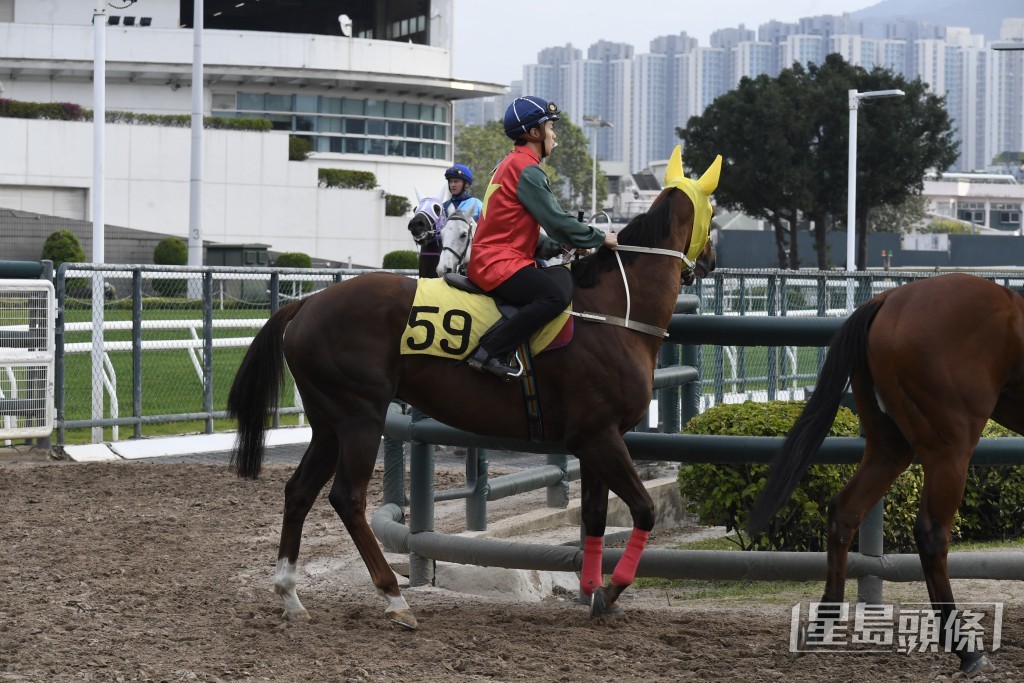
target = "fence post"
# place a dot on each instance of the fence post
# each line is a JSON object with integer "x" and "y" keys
{"x": 275, "y": 303}
{"x": 558, "y": 493}
{"x": 208, "y": 350}
{"x": 394, "y": 467}
{"x": 137, "y": 351}
{"x": 421, "y": 503}
{"x": 668, "y": 399}
{"x": 476, "y": 503}
{"x": 869, "y": 588}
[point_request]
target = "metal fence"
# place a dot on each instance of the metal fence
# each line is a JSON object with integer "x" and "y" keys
{"x": 157, "y": 353}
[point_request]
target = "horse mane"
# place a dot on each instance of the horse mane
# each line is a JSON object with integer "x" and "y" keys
{"x": 644, "y": 230}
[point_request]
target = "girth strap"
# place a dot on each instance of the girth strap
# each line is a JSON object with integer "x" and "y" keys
{"x": 621, "y": 322}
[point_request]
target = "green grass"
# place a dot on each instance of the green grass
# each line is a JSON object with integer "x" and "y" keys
{"x": 170, "y": 383}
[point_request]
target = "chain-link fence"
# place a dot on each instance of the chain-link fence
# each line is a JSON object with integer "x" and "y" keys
{"x": 157, "y": 353}
{"x": 732, "y": 374}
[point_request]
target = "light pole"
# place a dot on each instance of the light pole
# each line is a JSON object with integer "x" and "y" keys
{"x": 851, "y": 187}
{"x": 592, "y": 121}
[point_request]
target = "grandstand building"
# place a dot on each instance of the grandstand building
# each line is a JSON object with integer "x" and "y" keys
{"x": 368, "y": 84}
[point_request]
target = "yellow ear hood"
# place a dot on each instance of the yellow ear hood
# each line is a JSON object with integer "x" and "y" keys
{"x": 698, "y": 192}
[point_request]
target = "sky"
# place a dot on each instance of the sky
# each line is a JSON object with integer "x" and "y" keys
{"x": 493, "y": 40}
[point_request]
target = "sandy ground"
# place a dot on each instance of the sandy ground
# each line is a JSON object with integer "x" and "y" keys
{"x": 162, "y": 572}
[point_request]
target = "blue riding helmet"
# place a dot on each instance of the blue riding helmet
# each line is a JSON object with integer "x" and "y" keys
{"x": 459, "y": 172}
{"x": 528, "y": 112}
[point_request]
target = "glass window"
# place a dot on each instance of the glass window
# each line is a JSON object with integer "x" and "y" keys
{"x": 394, "y": 110}
{"x": 279, "y": 102}
{"x": 355, "y": 146}
{"x": 412, "y": 149}
{"x": 396, "y": 148}
{"x": 336, "y": 144}
{"x": 439, "y": 152}
{"x": 353, "y": 107}
{"x": 330, "y": 124}
{"x": 396, "y": 128}
{"x": 375, "y": 108}
{"x": 413, "y": 130}
{"x": 410, "y": 111}
{"x": 251, "y": 101}
{"x": 376, "y": 146}
{"x": 304, "y": 123}
{"x": 280, "y": 121}
{"x": 306, "y": 103}
{"x": 330, "y": 105}
{"x": 376, "y": 127}
{"x": 323, "y": 144}
{"x": 440, "y": 113}
{"x": 356, "y": 126}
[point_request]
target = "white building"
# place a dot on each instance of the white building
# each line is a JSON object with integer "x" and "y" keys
{"x": 378, "y": 99}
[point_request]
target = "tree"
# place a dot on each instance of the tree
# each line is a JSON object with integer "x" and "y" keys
{"x": 899, "y": 218}
{"x": 766, "y": 175}
{"x": 569, "y": 168}
{"x": 170, "y": 251}
{"x": 785, "y": 142}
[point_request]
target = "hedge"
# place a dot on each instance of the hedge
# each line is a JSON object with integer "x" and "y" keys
{"x": 68, "y": 111}
{"x": 723, "y": 494}
{"x": 170, "y": 251}
{"x": 344, "y": 178}
{"x": 401, "y": 260}
{"x": 396, "y": 205}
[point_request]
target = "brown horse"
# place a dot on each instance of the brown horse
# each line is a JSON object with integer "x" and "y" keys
{"x": 342, "y": 347}
{"x": 930, "y": 362}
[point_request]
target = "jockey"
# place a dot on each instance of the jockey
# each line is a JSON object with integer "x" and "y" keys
{"x": 460, "y": 178}
{"x": 508, "y": 237}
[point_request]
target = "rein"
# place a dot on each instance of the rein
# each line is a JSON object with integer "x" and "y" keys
{"x": 626, "y": 322}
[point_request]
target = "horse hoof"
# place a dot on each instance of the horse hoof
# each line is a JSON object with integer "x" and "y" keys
{"x": 403, "y": 617}
{"x": 801, "y": 643}
{"x": 981, "y": 665}
{"x": 599, "y": 607}
{"x": 297, "y": 615}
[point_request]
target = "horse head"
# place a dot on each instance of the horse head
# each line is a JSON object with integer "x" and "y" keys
{"x": 699, "y": 250}
{"x": 428, "y": 219}
{"x": 456, "y": 242}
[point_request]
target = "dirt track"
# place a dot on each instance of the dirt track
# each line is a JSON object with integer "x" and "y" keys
{"x": 161, "y": 572}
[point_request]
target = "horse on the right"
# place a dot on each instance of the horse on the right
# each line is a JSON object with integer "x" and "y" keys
{"x": 929, "y": 363}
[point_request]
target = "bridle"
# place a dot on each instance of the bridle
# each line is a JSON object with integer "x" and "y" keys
{"x": 433, "y": 212}
{"x": 459, "y": 257}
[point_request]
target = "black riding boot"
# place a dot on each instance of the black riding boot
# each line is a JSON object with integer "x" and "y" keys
{"x": 483, "y": 361}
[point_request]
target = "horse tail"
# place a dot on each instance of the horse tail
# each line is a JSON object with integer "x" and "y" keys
{"x": 256, "y": 390}
{"x": 847, "y": 352}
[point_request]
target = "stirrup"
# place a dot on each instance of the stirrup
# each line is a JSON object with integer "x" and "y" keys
{"x": 481, "y": 361}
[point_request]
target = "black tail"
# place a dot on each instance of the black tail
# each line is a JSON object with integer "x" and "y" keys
{"x": 256, "y": 389}
{"x": 847, "y": 352}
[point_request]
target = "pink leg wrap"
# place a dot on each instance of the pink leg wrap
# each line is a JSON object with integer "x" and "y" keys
{"x": 625, "y": 570}
{"x": 590, "y": 577}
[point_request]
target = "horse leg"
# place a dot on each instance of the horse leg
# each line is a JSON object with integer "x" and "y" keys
{"x": 593, "y": 514}
{"x": 313, "y": 472}
{"x": 944, "y": 479}
{"x": 360, "y": 441}
{"x": 878, "y": 468}
{"x": 608, "y": 459}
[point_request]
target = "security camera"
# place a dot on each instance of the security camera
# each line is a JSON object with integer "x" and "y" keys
{"x": 346, "y": 25}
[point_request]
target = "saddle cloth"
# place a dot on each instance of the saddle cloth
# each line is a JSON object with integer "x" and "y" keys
{"x": 449, "y": 322}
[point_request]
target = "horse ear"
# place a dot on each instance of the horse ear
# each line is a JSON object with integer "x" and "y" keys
{"x": 709, "y": 181}
{"x": 451, "y": 210}
{"x": 444, "y": 194}
{"x": 419, "y": 195}
{"x": 674, "y": 172}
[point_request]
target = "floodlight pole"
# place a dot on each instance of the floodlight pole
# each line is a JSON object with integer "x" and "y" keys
{"x": 99, "y": 120}
{"x": 592, "y": 122}
{"x": 851, "y": 187}
{"x": 195, "y": 199}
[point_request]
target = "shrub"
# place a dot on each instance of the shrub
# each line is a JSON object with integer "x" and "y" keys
{"x": 294, "y": 259}
{"x": 299, "y": 148}
{"x": 401, "y": 260}
{"x": 170, "y": 251}
{"x": 61, "y": 246}
{"x": 993, "y": 505}
{"x": 354, "y": 180}
{"x": 68, "y": 111}
{"x": 396, "y": 205}
{"x": 723, "y": 494}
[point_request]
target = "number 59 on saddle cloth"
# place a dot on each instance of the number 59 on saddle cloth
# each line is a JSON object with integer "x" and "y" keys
{"x": 449, "y": 322}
